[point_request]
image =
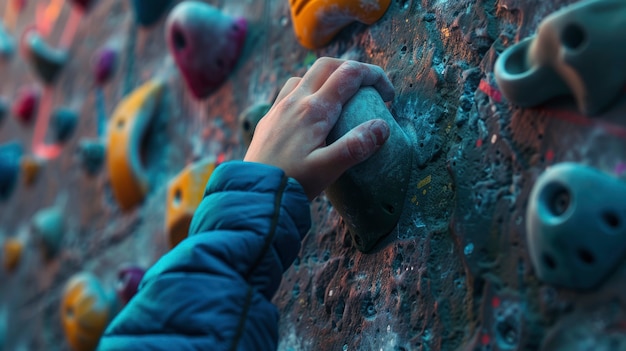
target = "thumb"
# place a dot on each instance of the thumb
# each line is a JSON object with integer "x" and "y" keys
{"x": 357, "y": 145}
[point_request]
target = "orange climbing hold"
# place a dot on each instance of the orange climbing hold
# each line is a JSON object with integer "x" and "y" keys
{"x": 85, "y": 311}
{"x": 12, "y": 254}
{"x": 31, "y": 167}
{"x": 316, "y": 22}
{"x": 184, "y": 193}
{"x": 129, "y": 124}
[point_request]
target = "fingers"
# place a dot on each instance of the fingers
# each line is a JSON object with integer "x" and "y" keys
{"x": 289, "y": 86}
{"x": 348, "y": 78}
{"x": 354, "y": 147}
{"x": 315, "y": 77}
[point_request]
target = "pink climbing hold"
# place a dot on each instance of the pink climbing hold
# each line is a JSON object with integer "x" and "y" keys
{"x": 25, "y": 104}
{"x": 205, "y": 43}
{"x": 103, "y": 65}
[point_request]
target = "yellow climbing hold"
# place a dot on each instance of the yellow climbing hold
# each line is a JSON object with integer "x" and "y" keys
{"x": 130, "y": 121}
{"x": 316, "y": 22}
{"x": 85, "y": 311}
{"x": 12, "y": 254}
{"x": 184, "y": 193}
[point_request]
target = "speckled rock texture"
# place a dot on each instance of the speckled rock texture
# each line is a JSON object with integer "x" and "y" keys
{"x": 454, "y": 274}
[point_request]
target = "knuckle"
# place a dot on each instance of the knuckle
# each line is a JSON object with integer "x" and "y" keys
{"x": 358, "y": 148}
{"x": 324, "y": 60}
{"x": 320, "y": 110}
{"x": 293, "y": 81}
{"x": 351, "y": 68}
{"x": 314, "y": 107}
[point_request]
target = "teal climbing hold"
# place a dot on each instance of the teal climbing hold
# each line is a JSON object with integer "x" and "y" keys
{"x": 10, "y": 155}
{"x": 148, "y": 12}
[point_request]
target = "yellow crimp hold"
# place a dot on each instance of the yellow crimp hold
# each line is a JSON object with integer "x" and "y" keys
{"x": 85, "y": 311}
{"x": 12, "y": 254}
{"x": 131, "y": 119}
{"x": 422, "y": 183}
{"x": 316, "y": 22}
{"x": 184, "y": 193}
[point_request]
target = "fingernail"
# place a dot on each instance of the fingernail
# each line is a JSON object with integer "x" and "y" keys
{"x": 380, "y": 130}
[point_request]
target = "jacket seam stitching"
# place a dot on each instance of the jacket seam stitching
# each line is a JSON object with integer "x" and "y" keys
{"x": 268, "y": 242}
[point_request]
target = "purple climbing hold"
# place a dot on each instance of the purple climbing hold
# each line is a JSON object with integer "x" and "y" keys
{"x": 103, "y": 65}
{"x": 129, "y": 278}
{"x": 205, "y": 43}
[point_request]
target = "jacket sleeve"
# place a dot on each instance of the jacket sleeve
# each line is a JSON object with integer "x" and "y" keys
{"x": 213, "y": 291}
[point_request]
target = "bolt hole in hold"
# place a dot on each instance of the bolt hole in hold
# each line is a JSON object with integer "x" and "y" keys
{"x": 611, "y": 219}
{"x": 558, "y": 199}
{"x": 573, "y": 36}
{"x": 120, "y": 124}
{"x": 69, "y": 313}
{"x": 246, "y": 126}
{"x": 549, "y": 261}
{"x": 178, "y": 195}
{"x": 516, "y": 62}
{"x": 178, "y": 39}
{"x": 586, "y": 256}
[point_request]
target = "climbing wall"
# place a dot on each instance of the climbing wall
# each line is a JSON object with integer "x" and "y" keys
{"x": 455, "y": 273}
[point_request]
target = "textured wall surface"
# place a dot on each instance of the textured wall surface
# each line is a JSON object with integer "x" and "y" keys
{"x": 455, "y": 273}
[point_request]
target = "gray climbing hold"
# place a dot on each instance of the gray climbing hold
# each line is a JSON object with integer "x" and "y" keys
{"x": 576, "y": 225}
{"x": 48, "y": 228}
{"x": 579, "y": 51}
{"x": 370, "y": 196}
{"x": 249, "y": 118}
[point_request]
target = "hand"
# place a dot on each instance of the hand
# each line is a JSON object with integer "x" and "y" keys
{"x": 292, "y": 135}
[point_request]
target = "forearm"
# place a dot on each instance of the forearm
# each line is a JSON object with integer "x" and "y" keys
{"x": 214, "y": 289}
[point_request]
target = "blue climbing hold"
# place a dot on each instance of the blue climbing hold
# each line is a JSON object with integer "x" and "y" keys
{"x": 10, "y": 155}
{"x": 63, "y": 124}
{"x": 46, "y": 61}
{"x": 7, "y": 43}
{"x": 148, "y": 12}
{"x": 91, "y": 155}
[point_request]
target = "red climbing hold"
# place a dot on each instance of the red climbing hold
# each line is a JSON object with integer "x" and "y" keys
{"x": 25, "y": 105}
{"x": 205, "y": 43}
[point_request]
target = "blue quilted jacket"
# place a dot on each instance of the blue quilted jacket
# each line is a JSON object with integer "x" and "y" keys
{"x": 213, "y": 290}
